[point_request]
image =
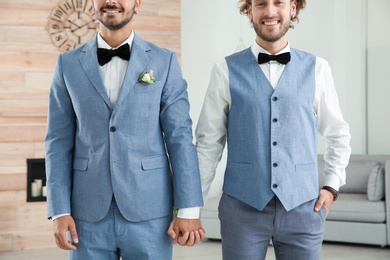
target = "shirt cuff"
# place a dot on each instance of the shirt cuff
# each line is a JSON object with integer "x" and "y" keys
{"x": 189, "y": 213}
{"x": 332, "y": 180}
{"x": 58, "y": 216}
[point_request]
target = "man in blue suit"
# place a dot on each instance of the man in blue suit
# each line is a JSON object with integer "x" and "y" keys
{"x": 269, "y": 102}
{"x": 119, "y": 151}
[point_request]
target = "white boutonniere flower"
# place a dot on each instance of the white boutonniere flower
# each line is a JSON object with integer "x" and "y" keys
{"x": 147, "y": 77}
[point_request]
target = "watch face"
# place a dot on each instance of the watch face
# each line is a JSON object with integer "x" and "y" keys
{"x": 72, "y": 23}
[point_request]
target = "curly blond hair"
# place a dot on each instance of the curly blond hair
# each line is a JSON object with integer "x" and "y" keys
{"x": 244, "y": 5}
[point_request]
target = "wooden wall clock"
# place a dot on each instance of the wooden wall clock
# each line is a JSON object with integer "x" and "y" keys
{"x": 72, "y": 23}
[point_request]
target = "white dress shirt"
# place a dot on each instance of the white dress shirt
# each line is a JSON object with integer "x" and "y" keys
{"x": 112, "y": 74}
{"x": 212, "y": 125}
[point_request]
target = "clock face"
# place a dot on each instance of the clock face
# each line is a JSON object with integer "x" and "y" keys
{"x": 72, "y": 23}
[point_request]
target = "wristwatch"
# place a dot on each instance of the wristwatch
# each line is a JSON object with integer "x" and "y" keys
{"x": 334, "y": 192}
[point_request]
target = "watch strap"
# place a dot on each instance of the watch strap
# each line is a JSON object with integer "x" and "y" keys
{"x": 334, "y": 192}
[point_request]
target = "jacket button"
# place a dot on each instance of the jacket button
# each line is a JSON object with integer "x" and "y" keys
{"x": 275, "y": 120}
{"x": 112, "y": 129}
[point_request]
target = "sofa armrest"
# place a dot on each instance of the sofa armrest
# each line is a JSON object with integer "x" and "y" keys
{"x": 387, "y": 198}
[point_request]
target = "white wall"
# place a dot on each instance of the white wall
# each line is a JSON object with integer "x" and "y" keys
{"x": 211, "y": 30}
{"x": 332, "y": 29}
{"x": 378, "y": 76}
{"x": 336, "y": 31}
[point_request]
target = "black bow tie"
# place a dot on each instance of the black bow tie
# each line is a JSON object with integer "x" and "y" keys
{"x": 105, "y": 55}
{"x": 283, "y": 58}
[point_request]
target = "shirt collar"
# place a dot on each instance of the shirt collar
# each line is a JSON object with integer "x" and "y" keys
{"x": 256, "y": 49}
{"x": 102, "y": 44}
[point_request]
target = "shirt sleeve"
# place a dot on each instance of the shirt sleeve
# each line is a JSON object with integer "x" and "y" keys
{"x": 59, "y": 215}
{"x": 211, "y": 129}
{"x": 189, "y": 213}
{"x": 332, "y": 126}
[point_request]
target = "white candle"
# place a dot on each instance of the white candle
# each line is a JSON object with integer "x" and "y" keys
{"x": 35, "y": 192}
{"x": 44, "y": 191}
{"x": 39, "y": 186}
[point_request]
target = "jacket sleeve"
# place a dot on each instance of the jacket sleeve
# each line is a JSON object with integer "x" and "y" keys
{"x": 177, "y": 128}
{"x": 59, "y": 143}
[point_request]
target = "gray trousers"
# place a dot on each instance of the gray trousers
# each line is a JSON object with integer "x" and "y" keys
{"x": 246, "y": 232}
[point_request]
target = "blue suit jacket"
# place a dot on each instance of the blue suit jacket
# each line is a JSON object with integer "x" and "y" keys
{"x": 140, "y": 151}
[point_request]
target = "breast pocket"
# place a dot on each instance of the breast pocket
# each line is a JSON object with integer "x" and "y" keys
{"x": 148, "y": 88}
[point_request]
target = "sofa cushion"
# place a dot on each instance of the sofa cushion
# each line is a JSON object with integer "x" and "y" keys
{"x": 376, "y": 184}
{"x": 357, "y": 208}
{"x": 356, "y": 176}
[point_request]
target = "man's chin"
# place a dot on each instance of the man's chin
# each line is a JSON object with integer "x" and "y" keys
{"x": 113, "y": 25}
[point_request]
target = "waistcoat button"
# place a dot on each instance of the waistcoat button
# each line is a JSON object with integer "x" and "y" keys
{"x": 112, "y": 129}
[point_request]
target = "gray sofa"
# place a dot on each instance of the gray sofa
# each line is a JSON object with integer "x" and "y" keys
{"x": 360, "y": 215}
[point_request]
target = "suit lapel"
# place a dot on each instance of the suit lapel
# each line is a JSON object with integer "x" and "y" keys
{"x": 88, "y": 59}
{"x": 139, "y": 59}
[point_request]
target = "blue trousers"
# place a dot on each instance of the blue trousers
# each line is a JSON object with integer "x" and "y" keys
{"x": 246, "y": 232}
{"x": 115, "y": 237}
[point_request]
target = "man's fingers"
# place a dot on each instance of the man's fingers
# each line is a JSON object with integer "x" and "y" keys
{"x": 320, "y": 202}
{"x": 326, "y": 199}
{"x": 170, "y": 231}
{"x": 73, "y": 234}
{"x": 318, "y": 206}
{"x": 58, "y": 241}
{"x": 61, "y": 226}
{"x": 60, "y": 237}
{"x": 197, "y": 237}
{"x": 176, "y": 230}
{"x": 182, "y": 238}
{"x": 191, "y": 239}
{"x": 202, "y": 233}
{"x": 62, "y": 241}
{"x": 177, "y": 234}
{"x": 189, "y": 232}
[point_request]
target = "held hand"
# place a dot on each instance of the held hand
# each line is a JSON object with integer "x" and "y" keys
{"x": 186, "y": 232}
{"x": 325, "y": 198}
{"x": 61, "y": 226}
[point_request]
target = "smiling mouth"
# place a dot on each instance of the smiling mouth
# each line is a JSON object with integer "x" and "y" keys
{"x": 270, "y": 23}
{"x": 111, "y": 11}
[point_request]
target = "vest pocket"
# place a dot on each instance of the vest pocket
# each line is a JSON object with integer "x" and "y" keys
{"x": 304, "y": 167}
{"x": 239, "y": 166}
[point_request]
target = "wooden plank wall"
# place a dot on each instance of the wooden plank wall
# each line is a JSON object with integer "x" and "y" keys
{"x": 27, "y": 60}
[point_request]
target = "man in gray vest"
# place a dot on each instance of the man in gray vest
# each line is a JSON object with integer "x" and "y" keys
{"x": 269, "y": 102}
